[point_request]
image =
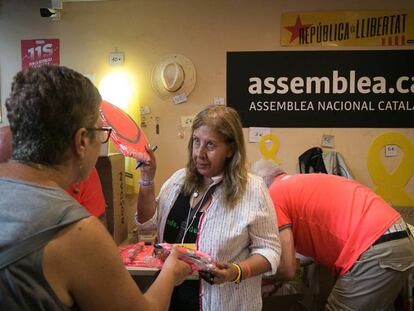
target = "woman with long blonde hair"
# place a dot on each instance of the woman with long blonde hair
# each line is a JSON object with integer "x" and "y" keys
{"x": 220, "y": 208}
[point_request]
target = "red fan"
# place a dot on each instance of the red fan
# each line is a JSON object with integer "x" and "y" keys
{"x": 127, "y": 136}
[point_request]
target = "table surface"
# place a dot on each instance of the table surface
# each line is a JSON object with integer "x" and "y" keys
{"x": 141, "y": 271}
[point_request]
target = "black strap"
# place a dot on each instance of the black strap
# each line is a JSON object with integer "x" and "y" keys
{"x": 38, "y": 240}
{"x": 391, "y": 236}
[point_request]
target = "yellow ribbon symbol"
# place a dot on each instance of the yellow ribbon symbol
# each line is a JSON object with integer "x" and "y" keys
{"x": 391, "y": 186}
{"x": 269, "y": 153}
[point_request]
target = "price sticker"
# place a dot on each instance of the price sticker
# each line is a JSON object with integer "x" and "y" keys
{"x": 180, "y": 98}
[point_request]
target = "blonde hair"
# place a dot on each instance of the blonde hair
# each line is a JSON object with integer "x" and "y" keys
{"x": 226, "y": 122}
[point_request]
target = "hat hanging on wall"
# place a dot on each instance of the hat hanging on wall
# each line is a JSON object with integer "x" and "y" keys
{"x": 174, "y": 75}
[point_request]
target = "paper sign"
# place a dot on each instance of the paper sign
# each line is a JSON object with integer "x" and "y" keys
{"x": 255, "y": 133}
{"x": 178, "y": 99}
{"x": 38, "y": 52}
{"x": 348, "y": 28}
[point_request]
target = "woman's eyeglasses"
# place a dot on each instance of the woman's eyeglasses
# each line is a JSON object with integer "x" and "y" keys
{"x": 105, "y": 133}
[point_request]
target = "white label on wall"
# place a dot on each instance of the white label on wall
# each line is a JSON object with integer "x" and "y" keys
{"x": 391, "y": 150}
{"x": 255, "y": 133}
{"x": 116, "y": 58}
{"x": 328, "y": 141}
{"x": 180, "y": 98}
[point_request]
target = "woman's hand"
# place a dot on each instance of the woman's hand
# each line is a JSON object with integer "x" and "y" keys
{"x": 224, "y": 273}
{"x": 148, "y": 168}
{"x": 178, "y": 268}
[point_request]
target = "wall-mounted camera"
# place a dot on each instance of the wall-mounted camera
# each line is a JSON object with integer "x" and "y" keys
{"x": 51, "y": 13}
{"x": 47, "y": 12}
{"x": 51, "y": 8}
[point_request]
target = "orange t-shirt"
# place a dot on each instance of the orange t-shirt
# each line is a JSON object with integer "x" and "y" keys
{"x": 334, "y": 219}
{"x": 89, "y": 194}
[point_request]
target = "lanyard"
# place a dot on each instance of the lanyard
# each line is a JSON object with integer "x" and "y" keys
{"x": 192, "y": 213}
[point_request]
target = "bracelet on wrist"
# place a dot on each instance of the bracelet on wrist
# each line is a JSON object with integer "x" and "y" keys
{"x": 146, "y": 183}
{"x": 239, "y": 274}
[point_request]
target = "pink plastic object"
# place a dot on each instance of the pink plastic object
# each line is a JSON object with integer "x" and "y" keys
{"x": 139, "y": 255}
{"x": 152, "y": 256}
{"x": 127, "y": 136}
{"x": 196, "y": 259}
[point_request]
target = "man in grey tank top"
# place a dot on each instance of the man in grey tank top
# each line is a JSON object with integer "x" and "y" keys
{"x": 52, "y": 255}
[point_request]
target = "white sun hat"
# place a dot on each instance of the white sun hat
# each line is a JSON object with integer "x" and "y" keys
{"x": 173, "y": 75}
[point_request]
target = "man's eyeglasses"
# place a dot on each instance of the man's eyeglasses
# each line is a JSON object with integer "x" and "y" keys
{"x": 105, "y": 133}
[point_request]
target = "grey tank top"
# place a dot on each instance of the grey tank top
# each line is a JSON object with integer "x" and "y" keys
{"x": 25, "y": 210}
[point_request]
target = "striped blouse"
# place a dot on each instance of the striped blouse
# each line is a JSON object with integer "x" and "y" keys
{"x": 228, "y": 235}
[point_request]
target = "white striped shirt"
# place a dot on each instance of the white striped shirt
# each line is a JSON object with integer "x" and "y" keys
{"x": 229, "y": 235}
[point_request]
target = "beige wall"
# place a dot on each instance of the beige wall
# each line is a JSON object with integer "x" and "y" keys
{"x": 202, "y": 30}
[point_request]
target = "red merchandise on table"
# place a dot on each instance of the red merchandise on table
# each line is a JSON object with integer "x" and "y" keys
{"x": 151, "y": 256}
{"x": 139, "y": 255}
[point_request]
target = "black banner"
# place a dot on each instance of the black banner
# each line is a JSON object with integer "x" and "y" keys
{"x": 322, "y": 88}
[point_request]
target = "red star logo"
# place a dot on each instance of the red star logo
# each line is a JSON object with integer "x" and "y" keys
{"x": 295, "y": 30}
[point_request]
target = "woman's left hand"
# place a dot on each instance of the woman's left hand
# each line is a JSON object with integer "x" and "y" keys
{"x": 224, "y": 273}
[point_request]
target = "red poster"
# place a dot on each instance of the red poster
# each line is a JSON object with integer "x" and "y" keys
{"x": 40, "y": 52}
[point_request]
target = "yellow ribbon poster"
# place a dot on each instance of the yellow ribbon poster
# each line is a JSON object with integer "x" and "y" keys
{"x": 360, "y": 28}
{"x": 390, "y": 185}
{"x": 269, "y": 153}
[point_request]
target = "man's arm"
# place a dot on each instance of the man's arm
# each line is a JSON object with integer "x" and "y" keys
{"x": 287, "y": 266}
{"x": 83, "y": 266}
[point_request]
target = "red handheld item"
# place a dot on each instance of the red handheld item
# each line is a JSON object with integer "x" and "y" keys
{"x": 196, "y": 259}
{"x": 127, "y": 136}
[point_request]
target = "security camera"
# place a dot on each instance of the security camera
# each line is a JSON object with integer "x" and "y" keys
{"x": 47, "y": 12}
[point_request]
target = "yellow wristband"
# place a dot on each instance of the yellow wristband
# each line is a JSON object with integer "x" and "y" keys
{"x": 239, "y": 274}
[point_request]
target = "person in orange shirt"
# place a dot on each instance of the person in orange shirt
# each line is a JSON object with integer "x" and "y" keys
{"x": 345, "y": 226}
{"x": 87, "y": 192}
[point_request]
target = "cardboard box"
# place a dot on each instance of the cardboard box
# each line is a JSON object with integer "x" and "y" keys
{"x": 111, "y": 170}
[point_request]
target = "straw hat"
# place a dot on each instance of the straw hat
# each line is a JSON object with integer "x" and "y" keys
{"x": 173, "y": 75}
